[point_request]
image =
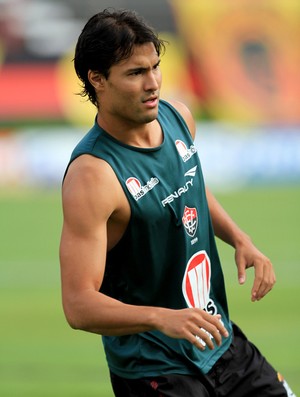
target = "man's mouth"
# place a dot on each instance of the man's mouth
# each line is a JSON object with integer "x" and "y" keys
{"x": 151, "y": 101}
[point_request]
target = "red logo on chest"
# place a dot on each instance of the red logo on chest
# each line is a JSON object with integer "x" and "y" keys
{"x": 190, "y": 220}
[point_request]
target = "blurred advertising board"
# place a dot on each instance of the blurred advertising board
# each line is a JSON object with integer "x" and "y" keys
{"x": 230, "y": 158}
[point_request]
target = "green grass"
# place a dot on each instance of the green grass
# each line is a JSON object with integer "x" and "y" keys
{"x": 272, "y": 218}
{"x": 41, "y": 356}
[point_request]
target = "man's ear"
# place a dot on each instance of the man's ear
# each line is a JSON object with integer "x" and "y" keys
{"x": 96, "y": 79}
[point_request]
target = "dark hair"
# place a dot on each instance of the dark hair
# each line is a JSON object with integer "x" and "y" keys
{"x": 108, "y": 38}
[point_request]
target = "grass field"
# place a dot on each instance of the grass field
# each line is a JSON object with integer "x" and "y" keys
{"x": 40, "y": 356}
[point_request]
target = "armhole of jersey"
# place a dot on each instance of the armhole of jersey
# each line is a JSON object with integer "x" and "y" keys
{"x": 178, "y": 114}
{"x": 68, "y": 166}
{"x": 77, "y": 153}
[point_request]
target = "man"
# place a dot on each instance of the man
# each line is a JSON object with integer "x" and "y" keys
{"x": 139, "y": 263}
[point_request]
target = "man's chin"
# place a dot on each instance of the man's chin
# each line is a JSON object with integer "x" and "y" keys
{"x": 151, "y": 116}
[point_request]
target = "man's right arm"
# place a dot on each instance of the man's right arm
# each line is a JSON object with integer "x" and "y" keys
{"x": 90, "y": 197}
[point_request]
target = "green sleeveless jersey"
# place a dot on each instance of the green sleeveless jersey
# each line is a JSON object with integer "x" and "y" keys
{"x": 167, "y": 256}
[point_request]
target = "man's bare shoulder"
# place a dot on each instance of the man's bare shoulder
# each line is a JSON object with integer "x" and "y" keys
{"x": 186, "y": 114}
{"x": 92, "y": 182}
{"x": 88, "y": 166}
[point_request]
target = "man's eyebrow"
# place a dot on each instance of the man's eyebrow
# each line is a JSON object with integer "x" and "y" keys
{"x": 142, "y": 68}
{"x": 136, "y": 69}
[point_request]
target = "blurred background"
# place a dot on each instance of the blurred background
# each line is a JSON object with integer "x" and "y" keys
{"x": 236, "y": 65}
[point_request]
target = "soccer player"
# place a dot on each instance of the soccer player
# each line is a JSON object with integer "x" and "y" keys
{"x": 139, "y": 263}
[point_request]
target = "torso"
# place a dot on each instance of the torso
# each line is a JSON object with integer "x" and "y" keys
{"x": 145, "y": 195}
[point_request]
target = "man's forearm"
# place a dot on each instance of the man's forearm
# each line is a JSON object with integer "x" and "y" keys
{"x": 224, "y": 227}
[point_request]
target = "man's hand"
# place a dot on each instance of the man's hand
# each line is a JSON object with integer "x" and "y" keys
{"x": 194, "y": 325}
{"x": 247, "y": 255}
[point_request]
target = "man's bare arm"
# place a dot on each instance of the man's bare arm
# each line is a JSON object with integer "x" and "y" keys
{"x": 246, "y": 254}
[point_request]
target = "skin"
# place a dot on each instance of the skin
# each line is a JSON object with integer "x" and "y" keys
{"x": 96, "y": 214}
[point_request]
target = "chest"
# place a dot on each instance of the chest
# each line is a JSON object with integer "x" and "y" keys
{"x": 160, "y": 186}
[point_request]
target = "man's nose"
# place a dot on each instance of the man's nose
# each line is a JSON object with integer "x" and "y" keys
{"x": 152, "y": 82}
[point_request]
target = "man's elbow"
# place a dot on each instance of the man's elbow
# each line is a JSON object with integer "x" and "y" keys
{"x": 72, "y": 320}
{"x": 74, "y": 317}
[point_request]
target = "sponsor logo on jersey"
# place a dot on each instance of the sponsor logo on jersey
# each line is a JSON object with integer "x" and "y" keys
{"x": 190, "y": 220}
{"x": 196, "y": 285}
{"x": 185, "y": 152}
{"x": 183, "y": 189}
{"x": 137, "y": 190}
{"x": 191, "y": 171}
{"x": 196, "y": 280}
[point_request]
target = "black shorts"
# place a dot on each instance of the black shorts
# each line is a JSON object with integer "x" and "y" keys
{"x": 241, "y": 372}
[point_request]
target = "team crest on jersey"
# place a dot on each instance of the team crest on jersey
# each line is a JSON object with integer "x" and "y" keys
{"x": 137, "y": 189}
{"x": 185, "y": 152}
{"x": 190, "y": 220}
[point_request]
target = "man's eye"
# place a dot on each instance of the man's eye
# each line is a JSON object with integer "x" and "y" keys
{"x": 136, "y": 72}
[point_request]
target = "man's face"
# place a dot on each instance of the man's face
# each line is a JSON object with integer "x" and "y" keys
{"x": 131, "y": 92}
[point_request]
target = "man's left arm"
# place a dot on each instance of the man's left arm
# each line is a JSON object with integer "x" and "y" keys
{"x": 246, "y": 254}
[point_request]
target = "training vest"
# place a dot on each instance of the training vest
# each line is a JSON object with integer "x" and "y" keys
{"x": 167, "y": 256}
